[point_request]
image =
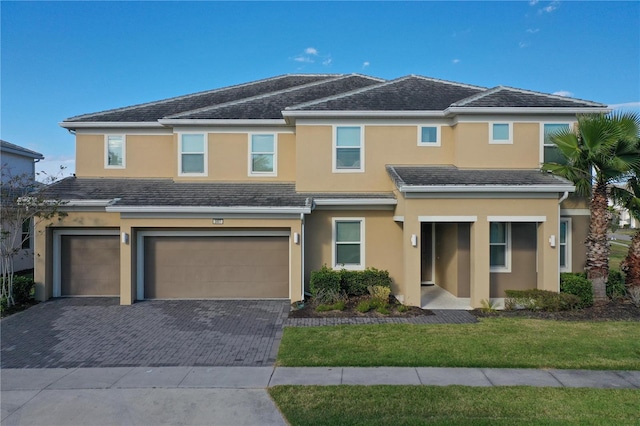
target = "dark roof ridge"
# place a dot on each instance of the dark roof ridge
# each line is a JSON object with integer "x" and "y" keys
{"x": 497, "y": 89}
{"x": 20, "y": 149}
{"x": 454, "y": 83}
{"x": 204, "y": 92}
{"x": 266, "y": 95}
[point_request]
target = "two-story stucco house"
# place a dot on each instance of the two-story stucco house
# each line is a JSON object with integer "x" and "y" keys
{"x": 18, "y": 167}
{"x": 241, "y": 192}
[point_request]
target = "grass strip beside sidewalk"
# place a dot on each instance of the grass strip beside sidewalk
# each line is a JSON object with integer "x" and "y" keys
{"x": 454, "y": 405}
{"x": 491, "y": 343}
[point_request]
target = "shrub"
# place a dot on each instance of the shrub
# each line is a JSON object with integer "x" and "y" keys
{"x": 324, "y": 279}
{"x": 338, "y": 306}
{"x": 541, "y": 300}
{"x": 578, "y": 285}
{"x": 379, "y": 293}
{"x": 364, "y": 306}
{"x": 329, "y": 296}
{"x": 402, "y": 308}
{"x": 489, "y": 306}
{"x": 23, "y": 286}
{"x": 353, "y": 282}
{"x": 615, "y": 285}
{"x": 384, "y": 310}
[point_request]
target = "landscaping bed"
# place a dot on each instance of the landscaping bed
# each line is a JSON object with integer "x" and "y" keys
{"x": 350, "y": 310}
{"x": 615, "y": 310}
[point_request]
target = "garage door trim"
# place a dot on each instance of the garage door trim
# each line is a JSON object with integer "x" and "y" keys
{"x": 57, "y": 251}
{"x": 142, "y": 234}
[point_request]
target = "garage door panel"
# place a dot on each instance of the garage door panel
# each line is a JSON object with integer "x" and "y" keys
{"x": 90, "y": 265}
{"x": 216, "y": 267}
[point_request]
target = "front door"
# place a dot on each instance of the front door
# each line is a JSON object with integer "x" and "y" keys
{"x": 427, "y": 253}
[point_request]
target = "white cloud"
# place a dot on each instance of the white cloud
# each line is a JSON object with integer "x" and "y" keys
{"x": 310, "y": 55}
{"x": 327, "y": 62}
{"x": 625, "y": 105}
{"x": 303, "y": 59}
{"x": 365, "y": 64}
{"x": 522, "y": 45}
{"x": 456, "y": 61}
{"x": 311, "y": 51}
{"x": 55, "y": 166}
{"x": 550, "y": 7}
{"x": 564, "y": 93}
{"x": 533, "y": 30}
{"x": 533, "y": 2}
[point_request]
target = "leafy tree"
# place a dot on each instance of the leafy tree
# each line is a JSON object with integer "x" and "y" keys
{"x": 629, "y": 198}
{"x": 22, "y": 207}
{"x": 600, "y": 150}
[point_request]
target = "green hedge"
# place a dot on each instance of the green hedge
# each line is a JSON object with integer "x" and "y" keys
{"x": 578, "y": 285}
{"x": 540, "y": 300}
{"x": 353, "y": 283}
{"x": 23, "y": 286}
{"x": 615, "y": 284}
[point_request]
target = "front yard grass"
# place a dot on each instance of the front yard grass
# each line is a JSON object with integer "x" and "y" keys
{"x": 412, "y": 405}
{"x": 491, "y": 343}
{"x": 619, "y": 250}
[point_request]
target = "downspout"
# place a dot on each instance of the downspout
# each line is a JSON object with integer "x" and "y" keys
{"x": 564, "y": 197}
{"x": 302, "y": 257}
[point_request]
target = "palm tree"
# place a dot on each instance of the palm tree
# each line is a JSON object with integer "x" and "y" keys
{"x": 600, "y": 150}
{"x": 629, "y": 198}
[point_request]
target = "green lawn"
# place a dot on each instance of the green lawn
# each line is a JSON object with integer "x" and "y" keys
{"x": 416, "y": 405}
{"x": 493, "y": 342}
{"x": 618, "y": 253}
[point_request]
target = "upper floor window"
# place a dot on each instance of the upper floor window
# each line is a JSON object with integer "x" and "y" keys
{"x": 500, "y": 247}
{"x": 193, "y": 154}
{"x": 114, "y": 151}
{"x": 26, "y": 234}
{"x": 550, "y": 152}
{"x": 429, "y": 136}
{"x": 500, "y": 133}
{"x": 348, "y": 149}
{"x": 565, "y": 245}
{"x": 348, "y": 243}
{"x": 262, "y": 155}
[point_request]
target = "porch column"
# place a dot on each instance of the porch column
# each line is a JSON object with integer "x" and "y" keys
{"x": 411, "y": 257}
{"x": 127, "y": 284}
{"x": 479, "y": 248}
{"x": 548, "y": 257}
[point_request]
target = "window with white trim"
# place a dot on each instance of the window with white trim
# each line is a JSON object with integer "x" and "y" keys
{"x": 564, "y": 245}
{"x": 429, "y": 135}
{"x": 348, "y": 243}
{"x": 262, "y": 154}
{"x": 500, "y": 246}
{"x": 500, "y": 133}
{"x": 114, "y": 147}
{"x": 193, "y": 154}
{"x": 26, "y": 234}
{"x": 550, "y": 151}
{"x": 348, "y": 149}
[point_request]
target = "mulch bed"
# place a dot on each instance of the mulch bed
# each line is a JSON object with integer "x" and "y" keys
{"x": 350, "y": 311}
{"x": 615, "y": 310}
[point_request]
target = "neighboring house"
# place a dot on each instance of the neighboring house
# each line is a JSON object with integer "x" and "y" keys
{"x": 19, "y": 162}
{"x": 242, "y": 191}
{"x": 625, "y": 219}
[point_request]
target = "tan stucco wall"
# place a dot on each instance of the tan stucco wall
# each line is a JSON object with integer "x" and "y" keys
{"x": 523, "y": 274}
{"x": 579, "y": 232}
{"x": 382, "y": 241}
{"x": 473, "y": 149}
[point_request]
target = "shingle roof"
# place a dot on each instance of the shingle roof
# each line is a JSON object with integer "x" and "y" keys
{"x": 510, "y": 97}
{"x": 153, "y": 111}
{"x": 166, "y": 192}
{"x": 270, "y": 106}
{"x": 411, "y": 93}
{"x": 406, "y": 176}
{"x": 16, "y": 149}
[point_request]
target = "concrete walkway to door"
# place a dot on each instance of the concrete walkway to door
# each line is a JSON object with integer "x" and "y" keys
{"x": 98, "y": 332}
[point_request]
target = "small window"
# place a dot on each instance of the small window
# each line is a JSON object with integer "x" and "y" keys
{"x": 564, "y": 245}
{"x": 429, "y": 136}
{"x": 348, "y": 149}
{"x": 551, "y": 154}
{"x": 500, "y": 133}
{"x": 193, "y": 150}
{"x": 26, "y": 234}
{"x": 500, "y": 247}
{"x": 348, "y": 249}
{"x": 262, "y": 155}
{"x": 114, "y": 151}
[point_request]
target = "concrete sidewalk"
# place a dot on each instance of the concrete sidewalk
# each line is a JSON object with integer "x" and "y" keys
{"x": 231, "y": 395}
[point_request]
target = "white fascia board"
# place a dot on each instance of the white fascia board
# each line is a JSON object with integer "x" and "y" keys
{"x": 448, "y": 219}
{"x": 87, "y": 203}
{"x": 21, "y": 153}
{"x": 525, "y": 110}
{"x": 486, "y": 188}
{"x": 355, "y": 201}
{"x": 221, "y": 122}
{"x": 362, "y": 114}
{"x": 516, "y": 219}
{"x": 110, "y": 124}
{"x": 207, "y": 209}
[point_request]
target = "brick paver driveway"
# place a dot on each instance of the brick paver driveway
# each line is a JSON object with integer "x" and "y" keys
{"x": 98, "y": 332}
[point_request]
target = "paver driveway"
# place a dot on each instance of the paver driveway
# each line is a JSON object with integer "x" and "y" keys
{"x": 98, "y": 332}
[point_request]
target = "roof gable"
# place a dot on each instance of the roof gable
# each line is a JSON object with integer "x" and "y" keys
{"x": 18, "y": 150}
{"x": 502, "y": 96}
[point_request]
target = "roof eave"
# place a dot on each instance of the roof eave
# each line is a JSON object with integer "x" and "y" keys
{"x": 355, "y": 201}
{"x": 208, "y": 209}
{"x": 28, "y": 154}
{"x": 376, "y": 114}
{"x": 221, "y": 122}
{"x": 72, "y": 125}
{"x": 485, "y": 188}
{"x": 526, "y": 110}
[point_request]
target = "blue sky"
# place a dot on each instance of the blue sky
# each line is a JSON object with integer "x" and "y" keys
{"x": 61, "y": 59}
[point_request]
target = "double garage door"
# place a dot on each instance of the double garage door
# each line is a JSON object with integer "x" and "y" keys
{"x": 179, "y": 267}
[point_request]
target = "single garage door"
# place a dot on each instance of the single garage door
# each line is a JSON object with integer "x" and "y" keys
{"x": 89, "y": 265}
{"x": 207, "y": 267}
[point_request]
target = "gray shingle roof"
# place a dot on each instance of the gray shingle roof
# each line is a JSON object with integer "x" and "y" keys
{"x": 270, "y": 106}
{"x": 404, "y": 176}
{"x": 16, "y": 149}
{"x": 166, "y": 192}
{"x": 411, "y": 93}
{"x": 510, "y": 97}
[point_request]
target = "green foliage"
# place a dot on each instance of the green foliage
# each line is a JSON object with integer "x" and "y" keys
{"x": 4, "y": 304}
{"x": 541, "y": 300}
{"x": 364, "y": 306}
{"x": 379, "y": 293}
{"x": 23, "y": 289}
{"x": 353, "y": 283}
{"x": 615, "y": 285}
{"x": 338, "y": 306}
{"x": 384, "y": 310}
{"x": 329, "y": 296}
{"x": 488, "y": 306}
{"x": 578, "y": 285}
{"x": 402, "y": 308}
